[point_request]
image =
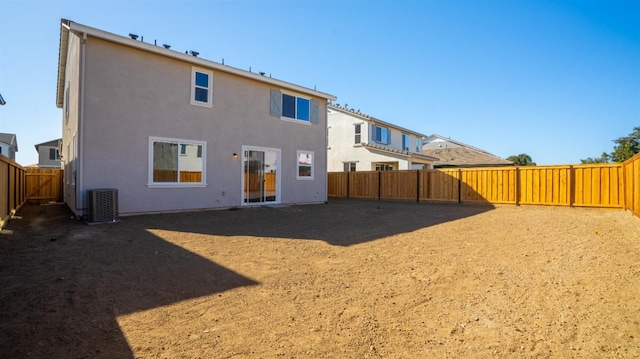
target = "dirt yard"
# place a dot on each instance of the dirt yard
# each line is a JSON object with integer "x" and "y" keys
{"x": 349, "y": 279}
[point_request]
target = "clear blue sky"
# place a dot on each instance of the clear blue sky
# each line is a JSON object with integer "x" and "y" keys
{"x": 557, "y": 80}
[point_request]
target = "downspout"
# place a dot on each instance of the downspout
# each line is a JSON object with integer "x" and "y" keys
{"x": 80, "y": 149}
{"x": 326, "y": 154}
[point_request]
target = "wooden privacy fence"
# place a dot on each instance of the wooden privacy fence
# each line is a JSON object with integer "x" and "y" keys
{"x": 594, "y": 185}
{"x": 12, "y": 188}
{"x": 44, "y": 185}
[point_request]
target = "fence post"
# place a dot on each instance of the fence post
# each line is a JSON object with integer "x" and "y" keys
{"x": 417, "y": 185}
{"x": 348, "y": 176}
{"x": 572, "y": 186}
{"x": 518, "y": 181}
{"x": 379, "y": 183}
{"x": 459, "y": 185}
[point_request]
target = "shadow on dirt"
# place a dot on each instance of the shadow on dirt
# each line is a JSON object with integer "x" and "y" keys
{"x": 51, "y": 265}
{"x": 342, "y": 222}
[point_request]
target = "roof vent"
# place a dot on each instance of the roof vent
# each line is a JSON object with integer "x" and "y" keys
{"x": 166, "y": 46}
{"x": 133, "y": 36}
{"x": 194, "y": 53}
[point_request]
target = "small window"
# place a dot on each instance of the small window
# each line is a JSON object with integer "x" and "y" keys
{"x": 176, "y": 162}
{"x": 418, "y": 143}
{"x": 305, "y": 165}
{"x": 349, "y": 166}
{"x": 358, "y": 133}
{"x": 295, "y": 107}
{"x": 201, "y": 88}
{"x": 405, "y": 142}
{"x": 383, "y": 167}
{"x": 381, "y": 135}
{"x": 54, "y": 154}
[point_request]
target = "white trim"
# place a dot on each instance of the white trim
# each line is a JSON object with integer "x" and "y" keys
{"x": 178, "y": 141}
{"x": 278, "y": 174}
{"x": 313, "y": 159}
{"x": 296, "y": 97}
{"x": 209, "y": 88}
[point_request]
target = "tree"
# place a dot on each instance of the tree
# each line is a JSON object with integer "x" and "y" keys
{"x": 522, "y": 159}
{"x": 626, "y": 147}
{"x": 604, "y": 158}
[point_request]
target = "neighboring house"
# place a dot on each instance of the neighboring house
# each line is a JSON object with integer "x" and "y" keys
{"x": 171, "y": 131}
{"x": 8, "y": 145}
{"x": 49, "y": 154}
{"x": 358, "y": 142}
{"x": 452, "y": 153}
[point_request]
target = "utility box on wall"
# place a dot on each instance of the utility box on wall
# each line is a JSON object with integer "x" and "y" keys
{"x": 102, "y": 205}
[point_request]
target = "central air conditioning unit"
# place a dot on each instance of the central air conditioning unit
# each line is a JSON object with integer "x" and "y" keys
{"x": 102, "y": 206}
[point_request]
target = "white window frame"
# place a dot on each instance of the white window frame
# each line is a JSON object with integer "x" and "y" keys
{"x": 406, "y": 142}
{"x": 418, "y": 145}
{"x": 178, "y": 141}
{"x": 357, "y": 129}
{"x": 209, "y": 87}
{"x": 295, "y": 119}
{"x": 298, "y": 153}
{"x": 386, "y": 140}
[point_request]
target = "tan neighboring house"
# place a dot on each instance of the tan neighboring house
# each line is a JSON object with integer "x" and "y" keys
{"x": 359, "y": 142}
{"x": 453, "y": 153}
{"x": 171, "y": 131}
{"x": 8, "y": 145}
{"x": 49, "y": 154}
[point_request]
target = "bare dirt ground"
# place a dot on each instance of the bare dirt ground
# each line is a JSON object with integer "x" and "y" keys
{"x": 349, "y": 279}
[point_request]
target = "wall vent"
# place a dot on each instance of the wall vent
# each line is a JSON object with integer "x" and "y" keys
{"x": 102, "y": 205}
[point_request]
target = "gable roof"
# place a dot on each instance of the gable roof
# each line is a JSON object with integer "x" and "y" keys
{"x": 372, "y": 119}
{"x": 67, "y": 26}
{"x": 10, "y": 139}
{"x": 461, "y": 155}
{"x": 52, "y": 143}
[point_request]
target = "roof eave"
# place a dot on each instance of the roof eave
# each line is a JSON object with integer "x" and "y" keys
{"x": 62, "y": 61}
{"x": 73, "y": 26}
{"x": 375, "y": 120}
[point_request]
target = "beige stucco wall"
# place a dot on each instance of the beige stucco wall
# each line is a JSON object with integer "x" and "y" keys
{"x": 131, "y": 95}
{"x": 44, "y": 160}
{"x": 70, "y": 124}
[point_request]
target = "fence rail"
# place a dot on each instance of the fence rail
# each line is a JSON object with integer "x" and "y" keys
{"x": 44, "y": 185}
{"x": 593, "y": 185}
{"x": 12, "y": 188}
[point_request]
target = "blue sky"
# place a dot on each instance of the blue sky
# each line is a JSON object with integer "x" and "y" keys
{"x": 557, "y": 80}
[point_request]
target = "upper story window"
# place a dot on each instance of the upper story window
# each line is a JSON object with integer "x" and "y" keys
{"x": 381, "y": 135}
{"x": 295, "y": 107}
{"x": 292, "y": 107}
{"x": 201, "y": 93}
{"x": 405, "y": 142}
{"x": 358, "y": 133}
{"x": 176, "y": 163}
{"x": 418, "y": 144}
{"x": 54, "y": 154}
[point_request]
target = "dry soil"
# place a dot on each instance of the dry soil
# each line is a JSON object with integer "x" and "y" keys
{"x": 348, "y": 279}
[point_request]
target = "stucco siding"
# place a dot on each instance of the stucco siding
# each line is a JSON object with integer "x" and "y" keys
{"x": 131, "y": 95}
{"x": 70, "y": 114}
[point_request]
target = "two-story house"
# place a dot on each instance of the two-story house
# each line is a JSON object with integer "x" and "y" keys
{"x": 359, "y": 142}
{"x": 171, "y": 131}
{"x": 8, "y": 145}
{"x": 452, "y": 153}
{"x": 49, "y": 154}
